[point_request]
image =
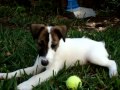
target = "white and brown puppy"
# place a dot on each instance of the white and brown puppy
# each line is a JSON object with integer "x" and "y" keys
{"x": 55, "y": 50}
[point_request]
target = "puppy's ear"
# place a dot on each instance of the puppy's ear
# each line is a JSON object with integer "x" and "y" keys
{"x": 36, "y": 29}
{"x": 61, "y": 31}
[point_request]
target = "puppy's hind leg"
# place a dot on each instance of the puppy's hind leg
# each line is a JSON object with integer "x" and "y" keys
{"x": 103, "y": 60}
{"x": 112, "y": 68}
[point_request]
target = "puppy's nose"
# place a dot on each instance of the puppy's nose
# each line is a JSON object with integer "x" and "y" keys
{"x": 44, "y": 62}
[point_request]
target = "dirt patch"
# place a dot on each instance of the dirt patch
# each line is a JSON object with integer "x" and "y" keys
{"x": 101, "y": 23}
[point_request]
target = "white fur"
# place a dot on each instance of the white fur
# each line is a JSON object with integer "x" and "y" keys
{"x": 50, "y": 53}
{"x": 82, "y": 49}
{"x": 49, "y": 29}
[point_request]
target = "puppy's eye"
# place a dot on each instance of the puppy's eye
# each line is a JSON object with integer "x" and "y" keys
{"x": 53, "y": 46}
{"x": 40, "y": 44}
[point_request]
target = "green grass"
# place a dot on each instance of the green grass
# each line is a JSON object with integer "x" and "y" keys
{"x": 18, "y": 50}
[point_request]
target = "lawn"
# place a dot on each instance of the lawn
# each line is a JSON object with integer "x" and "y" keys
{"x": 18, "y": 50}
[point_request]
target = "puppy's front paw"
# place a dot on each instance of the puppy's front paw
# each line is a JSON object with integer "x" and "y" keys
{"x": 24, "y": 86}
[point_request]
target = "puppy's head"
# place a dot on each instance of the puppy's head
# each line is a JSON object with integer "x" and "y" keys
{"x": 48, "y": 38}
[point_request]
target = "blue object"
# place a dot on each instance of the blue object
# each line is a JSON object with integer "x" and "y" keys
{"x": 72, "y": 5}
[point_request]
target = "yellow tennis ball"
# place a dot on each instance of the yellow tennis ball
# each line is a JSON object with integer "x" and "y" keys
{"x": 73, "y": 82}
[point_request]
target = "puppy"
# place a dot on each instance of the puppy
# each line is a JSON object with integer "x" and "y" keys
{"x": 55, "y": 50}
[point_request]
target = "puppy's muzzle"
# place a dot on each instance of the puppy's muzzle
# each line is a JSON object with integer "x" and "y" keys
{"x": 44, "y": 62}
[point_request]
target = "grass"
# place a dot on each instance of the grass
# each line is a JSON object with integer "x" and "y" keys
{"x": 18, "y": 50}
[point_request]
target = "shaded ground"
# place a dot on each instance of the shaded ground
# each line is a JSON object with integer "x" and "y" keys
{"x": 101, "y": 23}
{"x": 98, "y": 23}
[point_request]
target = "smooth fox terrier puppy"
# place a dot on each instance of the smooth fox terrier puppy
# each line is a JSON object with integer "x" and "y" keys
{"x": 55, "y": 50}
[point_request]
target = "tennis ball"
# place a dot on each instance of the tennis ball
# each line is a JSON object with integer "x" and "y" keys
{"x": 73, "y": 82}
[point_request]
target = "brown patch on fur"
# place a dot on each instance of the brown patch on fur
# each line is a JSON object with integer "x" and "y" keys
{"x": 55, "y": 40}
{"x": 40, "y": 33}
{"x": 43, "y": 40}
{"x": 36, "y": 29}
{"x": 57, "y": 33}
{"x": 61, "y": 31}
